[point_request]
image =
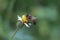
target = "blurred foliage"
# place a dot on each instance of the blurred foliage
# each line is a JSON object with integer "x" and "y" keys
{"x": 46, "y": 11}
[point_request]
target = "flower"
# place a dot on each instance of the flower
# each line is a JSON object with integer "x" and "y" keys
{"x": 19, "y": 18}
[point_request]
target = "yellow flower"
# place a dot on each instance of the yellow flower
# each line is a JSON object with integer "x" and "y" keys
{"x": 24, "y": 18}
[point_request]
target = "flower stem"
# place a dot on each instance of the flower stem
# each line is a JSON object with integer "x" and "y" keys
{"x": 12, "y": 37}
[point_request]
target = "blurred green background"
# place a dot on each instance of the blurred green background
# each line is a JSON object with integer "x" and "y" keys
{"x": 46, "y": 11}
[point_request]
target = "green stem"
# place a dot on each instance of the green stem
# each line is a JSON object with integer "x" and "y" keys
{"x": 12, "y": 37}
